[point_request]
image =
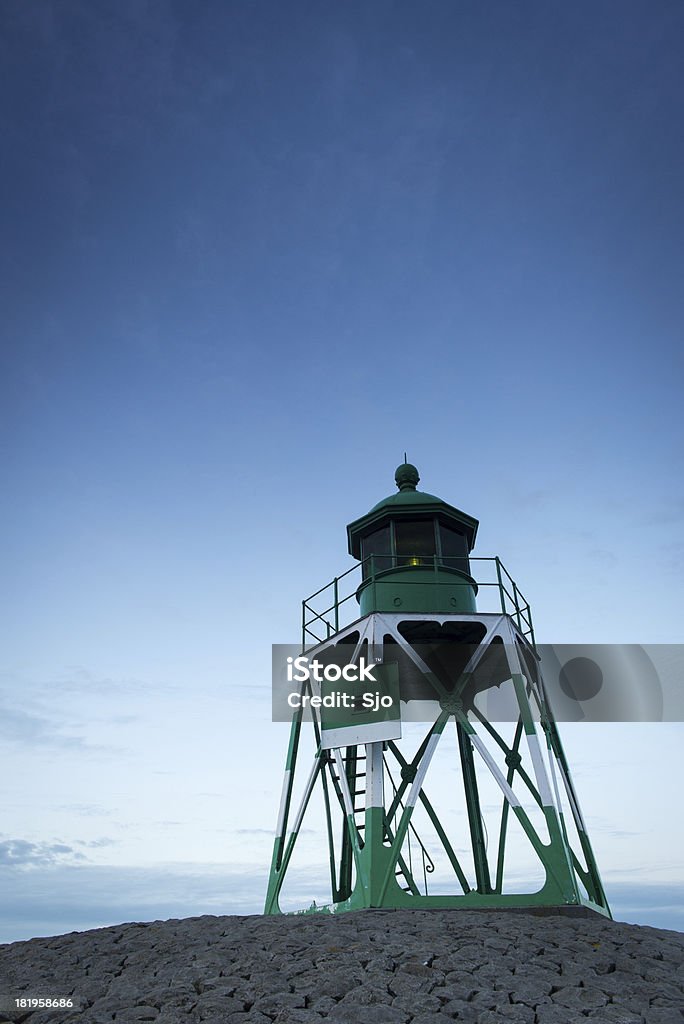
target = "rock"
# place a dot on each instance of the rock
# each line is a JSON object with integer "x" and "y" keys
{"x": 461, "y": 1010}
{"x": 618, "y": 1015}
{"x": 380, "y": 967}
{"x": 513, "y": 1014}
{"x": 580, "y": 998}
{"x": 376, "y": 1014}
{"x": 662, "y": 1015}
{"x": 419, "y": 1002}
{"x": 323, "y": 1006}
{"x": 272, "y": 1003}
{"x": 550, "y": 1014}
{"x": 211, "y": 1004}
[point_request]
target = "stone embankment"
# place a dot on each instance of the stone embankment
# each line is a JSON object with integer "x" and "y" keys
{"x": 371, "y": 967}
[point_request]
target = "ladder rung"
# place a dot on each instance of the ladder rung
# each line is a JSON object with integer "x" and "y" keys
{"x": 361, "y": 775}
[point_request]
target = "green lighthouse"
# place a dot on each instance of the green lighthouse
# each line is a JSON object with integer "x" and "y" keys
{"x": 447, "y": 785}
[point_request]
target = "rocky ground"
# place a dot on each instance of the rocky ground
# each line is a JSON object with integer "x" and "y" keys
{"x": 372, "y": 967}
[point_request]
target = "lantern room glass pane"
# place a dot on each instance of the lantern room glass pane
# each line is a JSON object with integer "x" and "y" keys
{"x": 377, "y": 544}
{"x": 415, "y": 540}
{"x": 454, "y": 549}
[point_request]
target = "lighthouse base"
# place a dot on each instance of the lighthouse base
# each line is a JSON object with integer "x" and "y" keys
{"x": 456, "y": 812}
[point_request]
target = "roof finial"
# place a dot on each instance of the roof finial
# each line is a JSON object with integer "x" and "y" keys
{"x": 406, "y": 476}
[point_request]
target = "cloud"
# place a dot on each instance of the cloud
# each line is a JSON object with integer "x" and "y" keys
{"x": 603, "y": 555}
{"x": 43, "y": 732}
{"x": 52, "y": 713}
{"x": 617, "y": 833}
{"x": 17, "y": 726}
{"x": 669, "y": 510}
{"x": 661, "y": 906}
{"x": 20, "y": 853}
{"x": 87, "y": 810}
{"x": 270, "y": 832}
{"x": 78, "y": 680}
{"x": 58, "y": 898}
{"x": 96, "y": 844}
{"x": 531, "y": 498}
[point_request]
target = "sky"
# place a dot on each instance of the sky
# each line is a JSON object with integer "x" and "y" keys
{"x": 253, "y": 252}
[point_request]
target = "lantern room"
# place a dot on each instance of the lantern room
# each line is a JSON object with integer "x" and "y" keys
{"x": 414, "y": 549}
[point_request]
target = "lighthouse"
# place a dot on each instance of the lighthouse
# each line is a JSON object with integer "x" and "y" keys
{"x": 440, "y": 776}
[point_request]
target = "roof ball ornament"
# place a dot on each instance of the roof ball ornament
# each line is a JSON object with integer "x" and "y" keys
{"x": 406, "y": 477}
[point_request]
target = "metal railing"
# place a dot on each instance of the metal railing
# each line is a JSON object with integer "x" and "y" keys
{"x": 334, "y": 606}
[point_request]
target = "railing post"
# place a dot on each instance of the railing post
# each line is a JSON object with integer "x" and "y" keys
{"x": 337, "y": 608}
{"x": 500, "y": 582}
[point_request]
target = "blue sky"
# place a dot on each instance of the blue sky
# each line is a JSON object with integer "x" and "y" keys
{"x": 251, "y": 253}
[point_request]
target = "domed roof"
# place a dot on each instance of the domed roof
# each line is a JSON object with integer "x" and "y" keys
{"x": 408, "y": 499}
{"x": 407, "y": 477}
